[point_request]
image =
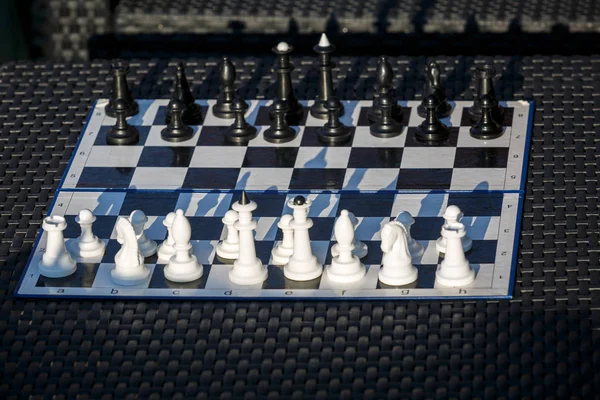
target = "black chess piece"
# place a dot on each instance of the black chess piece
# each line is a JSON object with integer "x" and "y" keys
{"x": 433, "y": 86}
{"x": 120, "y": 90}
{"x": 279, "y": 131}
{"x": 299, "y": 200}
{"x": 122, "y": 134}
{"x": 222, "y": 109}
{"x": 192, "y": 114}
{"x": 240, "y": 132}
{"x": 486, "y": 128}
{"x": 432, "y": 130}
{"x": 285, "y": 92}
{"x": 485, "y": 86}
{"x": 385, "y": 126}
{"x": 326, "y": 91}
{"x": 176, "y": 131}
{"x": 384, "y": 76}
{"x": 334, "y": 132}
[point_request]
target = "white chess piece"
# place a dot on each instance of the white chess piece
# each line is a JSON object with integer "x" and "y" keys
{"x": 452, "y": 215}
{"x": 397, "y": 268}
{"x": 165, "y": 249}
{"x": 183, "y": 266}
{"x": 416, "y": 249}
{"x": 129, "y": 263}
{"x": 360, "y": 249}
{"x": 281, "y": 254}
{"x": 229, "y": 248}
{"x": 346, "y": 267}
{"x": 88, "y": 244}
{"x": 454, "y": 270}
{"x": 56, "y": 261}
{"x": 303, "y": 265}
{"x": 247, "y": 269}
{"x": 138, "y": 219}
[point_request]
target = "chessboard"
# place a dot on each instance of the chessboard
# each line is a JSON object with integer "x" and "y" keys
{"x": 373, "y": 178}
{"x": 492, "y": 223}
{"x": 366, "y": 163}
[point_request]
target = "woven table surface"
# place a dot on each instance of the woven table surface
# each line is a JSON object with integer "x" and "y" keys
{"x": 542, "y": 343}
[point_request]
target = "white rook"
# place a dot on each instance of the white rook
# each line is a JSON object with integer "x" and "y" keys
{"x": 56, "y": 262}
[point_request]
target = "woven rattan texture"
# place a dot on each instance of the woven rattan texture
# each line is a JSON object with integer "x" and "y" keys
{"x": 61, "y": 28}
{"x": 203, "y": 16}
{"x": 543, "y": 343}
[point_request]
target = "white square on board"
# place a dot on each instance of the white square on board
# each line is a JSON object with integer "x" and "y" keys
{"x": 218, "y": 157}
{"x": 428, "y": 157}
{"x": 370, "y": 179}
{"x": 322, "y": 157}
{"x": 478, "y": 179}
{"x": 100, "y": 203}
{"x": 156, "y": 177}
{"x": 204, "y": 204}
{"x": 421, "y": 204}
{"x": 114, "y": 156}
{"x": 264, "y": 178}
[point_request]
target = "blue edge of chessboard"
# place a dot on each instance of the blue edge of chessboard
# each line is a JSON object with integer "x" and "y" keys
{"x": 411, "y": 297}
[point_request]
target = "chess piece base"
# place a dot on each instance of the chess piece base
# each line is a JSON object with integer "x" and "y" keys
{"x": 486, "y": 134}
{"x": 165, "y": 252}
{"x": 130, "y": 136}
{"x": 397, "y": 111}
{"x": 248, "y": 274}
{"x": 147, "y": 247}
{"x": 131, "y": 279}
{"x": 291, "y": 271}
{"x": 280, "y": 136}
{"x": 223, "y": 111}
{"x": 60, "y": 268}
{"x": 445, "y": 278}
{"x": 386, "y": 131}
{"x": 333, "y": 272}
{"x": 333, "y": 136}
{"x": 443, "y": 110}
{"x": 319, "y": 111}
{"x": 409, "y": 276}
{"x": 425, "y": 135}
{"x": 228, "y": 251}
{"x": 191, "y": 270}
{"x": 90, "y": 249}
{"x": 281, "y": 255}
{"x": 240, "y": 135}
{"x": 177, "y": 135}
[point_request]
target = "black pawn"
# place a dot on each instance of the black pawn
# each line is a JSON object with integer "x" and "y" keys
{"x": 334, "y": 132}
{"x": 433, "y": 86}
{"x": 431, "y": 130}
{"x": 385, "y": 126}
{"x": 279, "y": 131}
{"x": 176, "y": 131}
{"x": 120, "y": 90}
{"x": 285, "y": 91}
{"x": 486, "y": 128}
{"x": 222, "y": 108}
{"x": 122, "y": 134}
{"x": 240, "y": 132}
{"x": 192, "y": 114}
{"x": 326, "y": 91}
{"x": 485, "y": 86}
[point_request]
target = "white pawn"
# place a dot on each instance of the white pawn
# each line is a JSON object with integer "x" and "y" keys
{"x": 397, "y": 268}
{"x": 229, "y": 248}
{"x": 166, "y": 250}
{"x": 283, "y": 251}
{"x": 303, "y": 264}
{"x": 360, "y": 249}
{"x": 454, "y": 270}
{"x": 183, "y": 266}
{"x": 129, "y": 263}
{"x": 88, "y": 244}
{"x": 247, "y": 269}
{"x": 452, "y": 215}
{"x": 56, "y": 262}
{"x": 346, "y": 267}
{"x": 138, "y": 219}
{"x": 416, "y": 249}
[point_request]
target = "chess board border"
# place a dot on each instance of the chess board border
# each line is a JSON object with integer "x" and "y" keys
{"x": 96, "y": 117}
{"x": 27, "y": 288}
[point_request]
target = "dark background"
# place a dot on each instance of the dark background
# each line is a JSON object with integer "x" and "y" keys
{"x": 543, "y": 343}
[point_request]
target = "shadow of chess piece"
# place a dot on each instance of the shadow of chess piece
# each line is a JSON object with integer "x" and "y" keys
{"x": 122, "y": 134}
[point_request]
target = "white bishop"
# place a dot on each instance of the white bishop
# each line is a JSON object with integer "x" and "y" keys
{"x": 346, "y": 267}
{"x": 183, "y": 266}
